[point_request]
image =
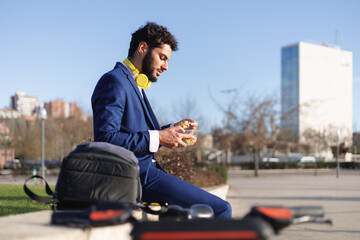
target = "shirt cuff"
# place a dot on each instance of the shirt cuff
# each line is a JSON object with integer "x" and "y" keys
{"x": 154, "y": 141}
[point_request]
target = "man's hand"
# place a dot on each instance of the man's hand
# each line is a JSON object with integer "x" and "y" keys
{"x": 172, "y": 137}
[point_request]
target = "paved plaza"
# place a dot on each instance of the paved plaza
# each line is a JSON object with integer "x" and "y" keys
{"x": 340, "y": 198}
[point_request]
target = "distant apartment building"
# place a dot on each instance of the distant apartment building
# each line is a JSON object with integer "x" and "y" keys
{"x": 24, "y": 104}
{"x": 6, "y": 154}
{"x": 316, "y": 89}
{"x": 58, "y": 109}
{"x": 75, "y": 110}
{"x": 62, "y": 109}
{"x": 7, "y": 113}
{"x": 28, "y": 107}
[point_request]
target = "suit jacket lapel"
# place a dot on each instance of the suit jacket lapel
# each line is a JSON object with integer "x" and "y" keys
{"x": 146, "y": 106}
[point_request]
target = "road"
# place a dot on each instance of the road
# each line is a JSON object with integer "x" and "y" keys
{"x": 340, "y": 198}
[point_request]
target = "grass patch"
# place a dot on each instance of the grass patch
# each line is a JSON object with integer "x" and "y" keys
{"x": 13, "y": 199}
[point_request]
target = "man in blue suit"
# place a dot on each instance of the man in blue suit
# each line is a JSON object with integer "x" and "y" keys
{"x": 123, "y": 116}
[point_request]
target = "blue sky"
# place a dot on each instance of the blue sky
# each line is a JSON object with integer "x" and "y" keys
{"x": 59, "y": 49}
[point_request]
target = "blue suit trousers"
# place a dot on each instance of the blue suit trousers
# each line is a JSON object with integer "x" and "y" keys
{"x": 164, "y": 187}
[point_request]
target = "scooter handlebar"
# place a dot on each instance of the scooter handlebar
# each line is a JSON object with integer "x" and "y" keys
{"x": 312, "y": 211}
{"x": 280, "y": 217}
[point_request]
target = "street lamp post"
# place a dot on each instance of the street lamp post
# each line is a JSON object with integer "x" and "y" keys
{"x": 5, "y": 146}
{"x": 43, "y": 116}
{"x": 228, "y": 128}
{"x": 337, "y": 153}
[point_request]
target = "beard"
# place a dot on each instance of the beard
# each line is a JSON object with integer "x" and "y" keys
{"x": 147, "y": 67}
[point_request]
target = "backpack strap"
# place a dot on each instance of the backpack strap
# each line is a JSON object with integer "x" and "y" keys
{"x": 38, "y": 198}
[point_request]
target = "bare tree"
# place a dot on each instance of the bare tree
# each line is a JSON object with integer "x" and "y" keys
{"x": 249, "y": 125}
{"x": 61, "y": 136}
{"x": 187, "y": 108}
{"x": 258, "y": 123}
{"x": 229, "y": 109}
{"x": 77, "y": 131}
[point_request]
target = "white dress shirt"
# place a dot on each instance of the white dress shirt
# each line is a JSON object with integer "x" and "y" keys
{"x": 154, "y": 134}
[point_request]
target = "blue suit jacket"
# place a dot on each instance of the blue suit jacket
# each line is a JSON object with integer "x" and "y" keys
{"x": 123, "y": 117}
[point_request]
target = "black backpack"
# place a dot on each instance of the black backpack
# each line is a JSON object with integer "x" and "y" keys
{"x": 92, "y": 172}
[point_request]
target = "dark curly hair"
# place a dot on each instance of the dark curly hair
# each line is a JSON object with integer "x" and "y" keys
{"x": 154, "y": 35}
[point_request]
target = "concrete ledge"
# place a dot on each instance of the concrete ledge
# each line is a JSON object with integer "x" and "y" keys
{"x": 32, "y": 226}
{"x": 36, "y": 226}
{"x": 220, "y": 191}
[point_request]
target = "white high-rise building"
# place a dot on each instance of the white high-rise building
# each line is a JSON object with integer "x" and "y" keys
{"x": 24, "y": 104}
{"x": 316, "y": 90}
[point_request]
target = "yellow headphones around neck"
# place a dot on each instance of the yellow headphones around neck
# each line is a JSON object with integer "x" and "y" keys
{"x": 140, "y": 79}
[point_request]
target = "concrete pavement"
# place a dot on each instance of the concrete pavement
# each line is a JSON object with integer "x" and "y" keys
{"x": 340, "y": 198}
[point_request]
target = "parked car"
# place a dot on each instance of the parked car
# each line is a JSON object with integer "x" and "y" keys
{"x": 305, "y": 159}
{"x": 52, "y": 164}
{"x": 12, "y": 164}
{"x": 269, "y": 160}
{"x": 32, "y": 165}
